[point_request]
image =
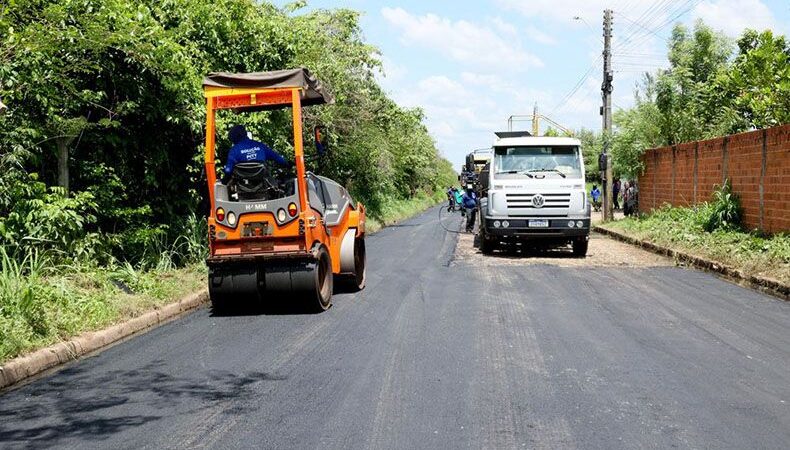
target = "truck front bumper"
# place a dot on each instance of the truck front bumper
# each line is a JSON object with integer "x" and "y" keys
{"x": 557, "y": 227}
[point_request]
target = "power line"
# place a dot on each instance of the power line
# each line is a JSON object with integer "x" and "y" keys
{"x": 578, "y": 84}
{"x": 679, "y": 12}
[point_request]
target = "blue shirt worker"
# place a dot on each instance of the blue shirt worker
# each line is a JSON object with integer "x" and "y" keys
{"x": 469, "y": 200}
{"x": 247, "y": 150}
{"x": 595, "y": 193}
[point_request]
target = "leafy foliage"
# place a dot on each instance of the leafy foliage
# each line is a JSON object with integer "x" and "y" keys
{"x": 121, "y": 81}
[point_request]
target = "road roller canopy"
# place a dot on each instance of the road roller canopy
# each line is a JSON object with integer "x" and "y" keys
{"x": 258, "y": 91}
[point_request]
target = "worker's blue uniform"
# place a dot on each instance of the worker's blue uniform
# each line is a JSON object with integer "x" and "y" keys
{"x": 247, "y": 150}
{"x": 470, "y": 200}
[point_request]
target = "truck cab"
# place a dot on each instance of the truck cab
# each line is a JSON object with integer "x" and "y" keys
{"x": 534, "y": 193}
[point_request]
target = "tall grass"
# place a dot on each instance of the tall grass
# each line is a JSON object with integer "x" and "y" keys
{"x": 392, "y": 211}
{"x": 48, "y": 297}
{"x": 685, "y": 229}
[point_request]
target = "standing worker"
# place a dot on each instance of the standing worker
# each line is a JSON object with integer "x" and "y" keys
{"x": 595, "y": 193}
{"x": 459, "y": 201}
{"x": 470, "y": 206}
{"x": 450, "y": 199}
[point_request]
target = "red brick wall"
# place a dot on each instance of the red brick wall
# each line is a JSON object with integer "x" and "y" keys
{"x": 757, "y": 163}
{"x": 777, "y": 179}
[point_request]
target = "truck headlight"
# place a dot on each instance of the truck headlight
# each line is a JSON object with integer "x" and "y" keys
{"x": 231, "y": 218}
{"x": 505, "y": 224}
{"x": 497, "y": 224}
{"x": 571, "y": 224}
{"x": 579, "y": 223}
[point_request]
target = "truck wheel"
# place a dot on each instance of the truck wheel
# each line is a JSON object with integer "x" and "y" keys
{"x": 580, "y": 247}
{"x": 487, "y": 244}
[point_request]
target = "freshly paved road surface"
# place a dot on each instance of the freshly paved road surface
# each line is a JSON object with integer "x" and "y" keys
{"x": 440, "y": 353}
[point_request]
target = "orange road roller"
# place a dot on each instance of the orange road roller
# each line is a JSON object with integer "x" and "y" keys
{"x": 276, "y": 238}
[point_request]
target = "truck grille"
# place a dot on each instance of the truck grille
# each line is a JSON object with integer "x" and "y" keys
{"x": 524, "y": 201}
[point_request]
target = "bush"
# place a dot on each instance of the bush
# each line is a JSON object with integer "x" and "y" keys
{"x": 45, "y": 219}
{"x": 725, "y": 211}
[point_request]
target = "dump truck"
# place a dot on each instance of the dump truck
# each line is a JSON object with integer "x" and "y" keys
{"x": 282, "y": 238}
{"x": 533, "y": 193}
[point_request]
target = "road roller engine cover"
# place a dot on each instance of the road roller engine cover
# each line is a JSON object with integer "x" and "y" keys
{"x": 278, "y": 237}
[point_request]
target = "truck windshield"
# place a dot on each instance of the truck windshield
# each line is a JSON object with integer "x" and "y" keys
{"x": 517, "y": 162}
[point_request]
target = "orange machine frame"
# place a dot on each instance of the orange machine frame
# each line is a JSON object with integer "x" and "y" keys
{"x": 297, "y": 237}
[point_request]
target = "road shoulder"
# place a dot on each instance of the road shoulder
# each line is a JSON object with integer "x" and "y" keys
{"x": 39, "y": 361}
{"x": 766, "y": 285}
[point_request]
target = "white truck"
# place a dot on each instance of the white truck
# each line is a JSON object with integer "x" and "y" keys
{"x": 533, "y": 193}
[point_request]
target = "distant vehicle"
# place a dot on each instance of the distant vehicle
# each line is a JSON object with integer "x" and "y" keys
{"x": 470, "y": 171}
{"x": 533, "y": 192}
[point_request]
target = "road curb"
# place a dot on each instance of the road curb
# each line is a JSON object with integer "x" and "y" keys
{"x": 767, "y": 285}
{"x": 24, "y": 367}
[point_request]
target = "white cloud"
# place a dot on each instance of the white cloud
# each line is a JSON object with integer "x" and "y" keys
{"x": 463, "y": 41}
{"x": 539, "y": 36}
{"x": 391, "y": 73}
{"x": 566, "y": 10}
{"x": 733, "y": 16}
{"x": 463, "y": 112}
{"x": 479, "y": 79}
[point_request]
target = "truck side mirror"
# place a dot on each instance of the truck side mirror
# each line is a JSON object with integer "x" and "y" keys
{"x": 321, "y": 140}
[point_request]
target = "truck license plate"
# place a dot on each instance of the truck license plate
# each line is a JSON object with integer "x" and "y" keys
{"x": 538, "y": 223}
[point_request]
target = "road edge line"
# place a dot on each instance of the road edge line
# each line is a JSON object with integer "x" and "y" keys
{"x": 762, "y": 284}
{"x": 26, "y": 366}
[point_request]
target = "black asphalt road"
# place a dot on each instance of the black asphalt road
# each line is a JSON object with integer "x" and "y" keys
{"x": 437, "y": 354}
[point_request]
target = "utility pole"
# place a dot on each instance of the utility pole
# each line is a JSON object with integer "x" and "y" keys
{"x": 606, "y": 112}
{"x": 535, "y": 120}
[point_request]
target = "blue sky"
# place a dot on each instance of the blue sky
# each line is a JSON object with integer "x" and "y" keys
{"x": 470, "y": 65}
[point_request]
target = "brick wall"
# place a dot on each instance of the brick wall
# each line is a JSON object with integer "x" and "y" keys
{"x": 757, "y": 163}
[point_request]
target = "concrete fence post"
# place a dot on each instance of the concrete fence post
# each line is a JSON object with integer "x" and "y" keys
{"x": 763, "y": 170}
{"x": 696, "y": 171}
{"x": 655, "y": 178}
{"x": 725, "y": 158}
{"x": 672, "y": 189}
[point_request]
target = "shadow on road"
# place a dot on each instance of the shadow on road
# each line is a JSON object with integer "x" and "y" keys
{"x": 281, "y": 307}
{"x": 77, "y": 403}
{"x": 519, "y": 251}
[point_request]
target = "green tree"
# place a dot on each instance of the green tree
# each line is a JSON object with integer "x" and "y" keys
{"x": 121, "y": 80}
{"x": 756, "y": 88}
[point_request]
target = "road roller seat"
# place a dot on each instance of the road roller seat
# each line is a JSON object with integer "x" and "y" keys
{"x": 250, "y": 180}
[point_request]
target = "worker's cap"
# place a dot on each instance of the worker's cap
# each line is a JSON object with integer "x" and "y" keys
{"x": 237, "y": 133}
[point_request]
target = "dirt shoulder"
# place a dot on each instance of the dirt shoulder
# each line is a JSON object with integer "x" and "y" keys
{"x": 603, "y": 252}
